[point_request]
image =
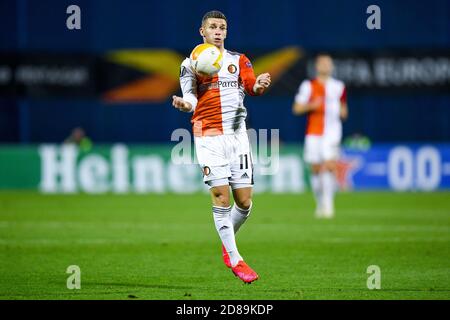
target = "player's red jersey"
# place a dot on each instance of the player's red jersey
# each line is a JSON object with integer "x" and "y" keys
{"x": 324, "y": 121}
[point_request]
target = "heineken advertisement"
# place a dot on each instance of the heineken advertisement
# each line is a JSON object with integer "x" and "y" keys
{"x": 123, "y": 169}
{"x": 119, "y": 168}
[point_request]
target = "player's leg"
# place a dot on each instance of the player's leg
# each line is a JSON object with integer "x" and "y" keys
{"x": 317, "y": 187}
{"x": 220, "y": 195}
{"x": 329, "y": 187}
{"x": 216, "y": 173}
{"x": 242, "y": 206}
{"x": 312, "y": 156}
{"x": 330, "y": 154}
{"x": 242, "y": 193}
{"x": 241, "y": 180}
{"x": 240, "y": 211}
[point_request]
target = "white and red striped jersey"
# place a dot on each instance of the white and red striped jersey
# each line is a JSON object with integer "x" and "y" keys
{"x": 219, "y": 101}
{"x": 324, "y": 121}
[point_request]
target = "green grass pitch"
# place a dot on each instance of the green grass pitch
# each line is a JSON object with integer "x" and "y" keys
{"x": 166, "y": 247}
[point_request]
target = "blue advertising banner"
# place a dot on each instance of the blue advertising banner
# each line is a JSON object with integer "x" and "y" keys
{"x": 408, "y": 167}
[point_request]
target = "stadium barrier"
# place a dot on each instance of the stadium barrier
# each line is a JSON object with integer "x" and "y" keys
{"x": 119, "y": 168}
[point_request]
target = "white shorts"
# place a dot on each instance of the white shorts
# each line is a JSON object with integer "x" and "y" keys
{"x": 225, "y": 160}
{"x": 319, "y": 149}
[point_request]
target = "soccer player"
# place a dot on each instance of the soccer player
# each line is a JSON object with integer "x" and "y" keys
{"x": 220, "y": 136}
{"x": 324, "y": 101}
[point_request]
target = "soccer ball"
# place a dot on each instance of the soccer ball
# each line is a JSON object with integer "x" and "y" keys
{"x": 206, "y": 59}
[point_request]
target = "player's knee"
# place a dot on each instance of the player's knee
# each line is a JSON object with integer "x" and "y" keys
{"x": 316, "y": 168}
{"x": 244, "y": 203}
{"x": 330, "y": 166}
{"x": 221, "y": 200}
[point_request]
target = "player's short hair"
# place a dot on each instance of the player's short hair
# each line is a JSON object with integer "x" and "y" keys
{"x": 323, "y": 54}
{"x": 213, "y": 14}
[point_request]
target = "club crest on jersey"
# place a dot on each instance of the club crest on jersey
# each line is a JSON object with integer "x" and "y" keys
{"x": 232, "y": 68}
{"x": 206, "y": 171}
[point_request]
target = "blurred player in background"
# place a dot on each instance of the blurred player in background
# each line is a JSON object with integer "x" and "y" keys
{"x": 78, "y": 137}
{"x": 324, "y": 101}
{"x": 220, "y": 135}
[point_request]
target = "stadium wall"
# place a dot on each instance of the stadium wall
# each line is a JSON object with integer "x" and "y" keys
{"x": 36, "y": 34}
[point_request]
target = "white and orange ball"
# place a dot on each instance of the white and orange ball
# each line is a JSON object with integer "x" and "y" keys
{"x": 206, "y": 59}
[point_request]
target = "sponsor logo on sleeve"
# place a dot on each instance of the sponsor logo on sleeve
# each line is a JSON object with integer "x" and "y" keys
{"x": 182, "y": 71}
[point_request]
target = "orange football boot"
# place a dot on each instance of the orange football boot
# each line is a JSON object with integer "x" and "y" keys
{"x": 244, "y": 272}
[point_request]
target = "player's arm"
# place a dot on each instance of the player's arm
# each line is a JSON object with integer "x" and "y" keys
{"x": 254, "y": 86}
{"x": 302, "y": 103}
{"x": 343, "y": 111}
{"x": 188, "y": 83}
{"x": 302, "y": 108}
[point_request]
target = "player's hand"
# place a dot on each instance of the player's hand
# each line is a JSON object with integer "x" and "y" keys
{"x": 181, "y": 104}
{"x": 262, "y": 82}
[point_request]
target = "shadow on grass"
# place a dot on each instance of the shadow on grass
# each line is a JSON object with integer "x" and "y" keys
{"x": 137, "y": 285}
{"x": 92, "y": 289}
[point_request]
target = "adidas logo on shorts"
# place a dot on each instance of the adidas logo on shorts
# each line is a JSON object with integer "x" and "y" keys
{"x": 245, "y": 175}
